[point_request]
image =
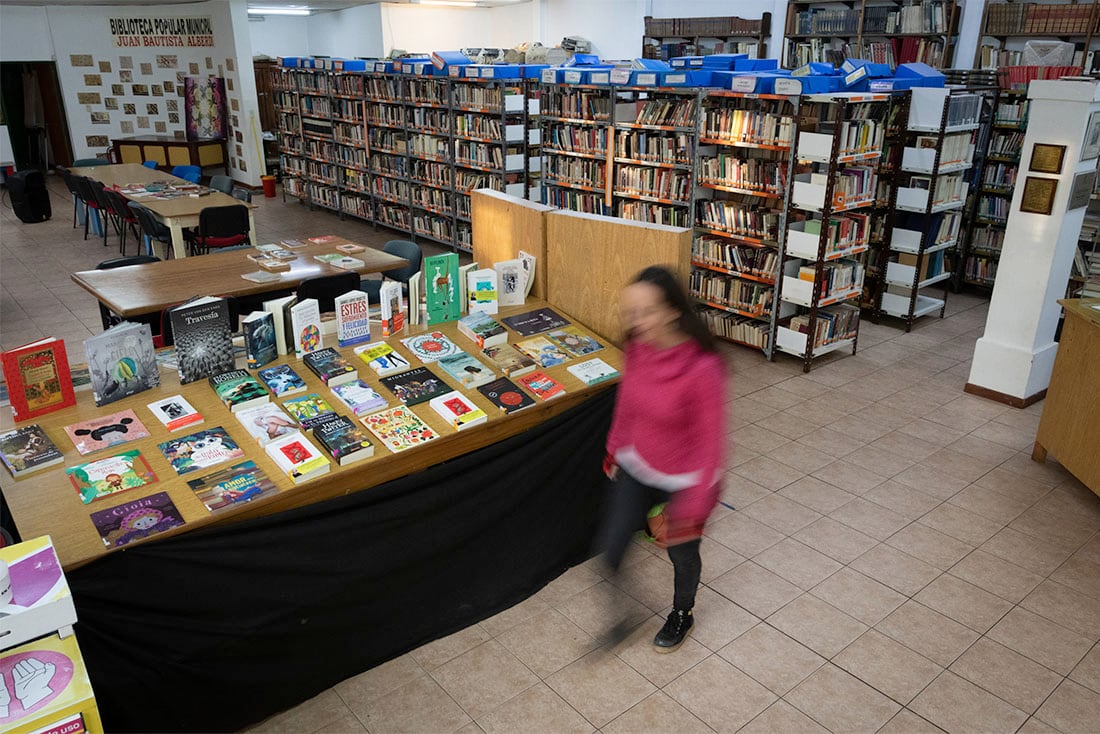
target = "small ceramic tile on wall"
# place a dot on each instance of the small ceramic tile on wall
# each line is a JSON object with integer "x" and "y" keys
{"x": 193, "y": 68}
{"x": 96, "y": 141}
{"x": 80, "y": 60}
{"x": 167, "y": 61}
{"x": 209, "y": 63}
{"x": 160, "y": 127}
{"x": 172, "y": 105}
{"x": 139, "y": 90}
{"x": 152, "y": 109}
{"x": 129, "y": 108}
{"x": 88, "y": 98}
{"x": 143, "y": 123}
{"x": 126, "y": 62}
{"x": 126, "y": 76}
{"x": 110, "y": 103}
{"x": 104, "y": 67}
{"x": 101, "y": 118}
{"x": 157, "y": 90}
{"x": 127, "y": 127}
{"x": 93, "y": 80}
{"x": 146, "y": 68}
{"x": 174, "y": 118}
{"x": 169, "y": 87}
{"x": 118, "y": 90}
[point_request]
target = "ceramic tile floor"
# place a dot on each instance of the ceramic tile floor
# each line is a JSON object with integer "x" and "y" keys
{"x": 896, "y": 562}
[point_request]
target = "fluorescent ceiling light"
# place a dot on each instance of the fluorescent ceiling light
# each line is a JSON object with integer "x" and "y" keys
{"x": 452, "y": 3}
{"x": 279, "y": 11}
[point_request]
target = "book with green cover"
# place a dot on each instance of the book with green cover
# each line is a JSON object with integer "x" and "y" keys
{"x": 441, "y": 286}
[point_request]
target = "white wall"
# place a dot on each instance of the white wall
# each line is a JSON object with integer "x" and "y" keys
{"x": 416, "y": 28}
{"x": 24, "y": 34}
{"x": 348, "y": 33}
{"x": 280, "y": 35}
{"x": 614, "y": 27}
{"x": 510, "y": 25}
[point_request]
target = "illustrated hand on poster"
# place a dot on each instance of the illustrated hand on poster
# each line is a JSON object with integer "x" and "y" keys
{"x": 32, "y": 679}
{"x": 5, "y": 698}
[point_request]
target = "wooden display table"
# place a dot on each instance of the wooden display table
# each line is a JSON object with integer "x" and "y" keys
{"x": 1071, "y": 412}
{"x": 169, "y": 151}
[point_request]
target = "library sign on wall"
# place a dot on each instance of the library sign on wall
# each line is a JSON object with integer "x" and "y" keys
{"x": 162, "y": 32}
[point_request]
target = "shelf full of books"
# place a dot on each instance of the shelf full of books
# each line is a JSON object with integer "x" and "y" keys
{"x": 892, "y": 33}
{"x": 666, "y": 38}
{"x": 1007, "y": 26}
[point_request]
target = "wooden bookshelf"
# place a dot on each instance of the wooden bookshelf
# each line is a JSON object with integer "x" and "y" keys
{"x": 1007, "y": 21}
{"x": 666, "y": 38}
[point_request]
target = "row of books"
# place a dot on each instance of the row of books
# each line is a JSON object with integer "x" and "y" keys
{"x": 431, "y": 119}
{"x": 964, "y": 109}
{"x": 818, "y": 50}
{"x": 990, "y": 239}
{"x": 1006, "y": 19}
{"x": 659, "y": 183}
{"x": 945, "y": 188}
{"x": 824, "y": 21}
{"x": 842, "y": 232}
{"x": 588, "y": 139}
{"x": 349, "y": 84}
{"x": 858, "y": 137}
{"x": 704, "y": 47}
{"x": 390, "y": 188}
{"x": 349, "y": 156}
{"x": 755, "y": 174}
{"x": 762, "y": 262}
{"x": 999, "y": 175}
{"x": 900, "y": 50}
{"x": 747, "y": 221}
{"x": 836, "y": 277}
{"x": 657, "y": 147}
{"x": 993, "y": 208}
{"x": 1019, "y": 77}
{"x": 347, "y": 109}
{"x": 386, "y": 114}
{"x": 743, "y": 329}
{"x": 663, "y": 112}
{"x": 644, "y": 211}
{"x": 734, "y": 125}
{"x": 956, "y": 148}
{"x": 853, "y": 183}
{"x": 348, "y": 134}
{"x": 831, "y": 324}
{"x": 578, "y": 201}
{"x": 577, "y": 104}
{"x": 715, "y": 26}
{"x": 752, "y": 298}
{"x": 929, "y": 16}
{"x": 576, "y": 170}
{"x": 1006, "y": 144}
{"x": 980, "y": 269}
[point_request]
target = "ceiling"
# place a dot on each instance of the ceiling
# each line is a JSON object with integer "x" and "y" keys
{"x": 318, "y": 5}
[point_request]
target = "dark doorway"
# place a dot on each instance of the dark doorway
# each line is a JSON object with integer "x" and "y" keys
{"x": 35, "y": 114}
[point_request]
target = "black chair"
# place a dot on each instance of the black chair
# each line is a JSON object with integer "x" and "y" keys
{"x": 402, "y": 248}
{"x": 125, "y": 219}
{"x": 151, "y": 227}
{"x": 326, "y": 288}
{"x": 67, "y": 176}
{"x": 223, "y": 184}
{"x": 106, "y": 211}
{"x": 85, "y": 162}
{"x": 241, "y": 194}
{"x": 161, "y": 336}
{"x": 87, "y": 195}
{"x": 220, "y": 226}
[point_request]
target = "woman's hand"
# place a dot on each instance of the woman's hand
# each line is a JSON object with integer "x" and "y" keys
{"x": 610, "y": 468}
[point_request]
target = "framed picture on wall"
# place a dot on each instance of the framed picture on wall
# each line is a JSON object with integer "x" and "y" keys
{"x": 1047, "y": 158}
{"x": 1091, "y": 147}
{"x": 1038, "y": 197}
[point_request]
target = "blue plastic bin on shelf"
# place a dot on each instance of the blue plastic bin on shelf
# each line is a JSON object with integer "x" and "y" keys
{"x": 747, "y": 64}
{"x": 686, "y": 62}
{"x": 924, "y": 75}
{"x": 445, "y": 59}
{"x": 722, "y": 62}
{"x": 532, "y": 71}
{"x": 382, "y": 67}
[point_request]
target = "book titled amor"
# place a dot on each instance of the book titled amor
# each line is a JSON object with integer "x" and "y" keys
{"x": 138, "y": 519}
{"x": 232, "y": 485}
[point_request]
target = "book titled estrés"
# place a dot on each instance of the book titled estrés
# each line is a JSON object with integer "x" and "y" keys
{"x": 38, "y": 380}
{"x": 352, "y": 319}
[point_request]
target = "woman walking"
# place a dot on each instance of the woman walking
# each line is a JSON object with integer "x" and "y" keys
{"x": 667, "y": 436}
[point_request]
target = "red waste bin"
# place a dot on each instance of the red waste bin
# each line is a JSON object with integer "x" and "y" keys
{"x": 269, "y": 186}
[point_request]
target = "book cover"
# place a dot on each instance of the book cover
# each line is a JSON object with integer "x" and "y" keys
{"x": 309, "y": 410}
{"x": 297, "y": 457}
{"x": 200, "y": 450}
{"x": 260, "y": 344}
{"x": 398, "y": 428}
{"x": 509, "y": 360}
{"x": 381, "y": 358}
{"x": 121, "y": 362}
{"x": 535, "y": 322}
{"x": 456, "y": 409}
{"x": 441, "y": 287}
{"x": 295, "y": 244}
{"x": 110, "y": 430}
{"x": 506, "y": 396}
{"x": 545, "y": 352}
{"x": 328, "y": 257}
{"x": 132, "y": 521}
{"x": 511, "y": 282}
{"x": 593, "y": 371}
{"x": 344, "y": 440}
{"x": 574, "y": 341}
{"x": 175, "y": 413}
{"x": 416, "y": 386}
{"x": 482, "y": 329}
{"x": 305, "y": 325}
{"x": 231, "y": 486}
{"x": 266, "y": 422}
{"x": 389, "y": 303}
{"x": 28, "y": 449}
{"x": 111, "y": 475}
{"x": 237, "y": 390}
{"x": 203, "y": 338}
{"x": 359, "y": 397}
{"x": 431, "y": 347}
{"x": 416, "y": 298}
{"x": 282, "y": 380}
{"x": 276, "y": 307}
{"x": 481, "y": 290}
{"x": 469, "y": 371}
{"x": 347, "y": 262}
{"x": 325, "y": 239}
{"x": 350, "y": 248}
{"x": 37, "y": 378}
{"x": 542, "y": 386}
{"x": 352, "y": 319}
{"x": 528, "y": 261}
{"x": 330, "y": 366}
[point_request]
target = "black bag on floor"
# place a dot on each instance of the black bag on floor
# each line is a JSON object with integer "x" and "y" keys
{"x": 29, "y": 198}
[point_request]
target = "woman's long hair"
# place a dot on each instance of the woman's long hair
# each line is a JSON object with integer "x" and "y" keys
{"x": 677, "y": 299}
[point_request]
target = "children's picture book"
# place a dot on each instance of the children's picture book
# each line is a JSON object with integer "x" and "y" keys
{"x": 28, "y": 449}
{"x": 541, "y": 385}
{"x": 381, "y": 358}
{"x": 37, "y": 378}
{"x": 330, "y": 366}
{"x": 305, "y": 325}
{"x": 352, "y": 319}
{"x": 278, "y": 308}
{"x": 121, "y": 362}
{"x": 260, "y": 344}
{"x": 458, "y": 410}
{"x": 97, "y": 434}
{"x": 111, "y": 475}
{"x": 345, "y": 441}
{"x": 415, "y": 386}
{"x": 574, "y": 341}
{"x": 593, "y": 371}
{"x": 481, "y": 290}
{"x": 506, "y": 396}
{"x": 297, "y": 457}
{"x": 282, "y": 380}
{"x": 200, "y": 450}
{"x": 398, "y": 428}
{"x": 468, "y": 370}
{"x": 203, "y": 338}
{"x": 511, "y": 282}
{"x": 430, "y": 347}
{"x": 232, "y": 485}
{"x": 543, "y": 351}
{"x": 528, "y": 262}
{"x": 441, "y": 290}
{"x": 359, "y": 396}
{"x": 175, "y": 413}
{"x": 309, "y": 410}
{"x": 237, "y": 390}
{"x": 535, "y": 322}
{"x": 130, "y": 521}
{"x": 509, "y": 360}
{"x": 266, "y": 422}
{"x": 482, "y": 329}
{"x": 389, "y": 305}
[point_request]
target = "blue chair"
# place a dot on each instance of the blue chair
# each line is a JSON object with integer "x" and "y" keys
{"x": 84, "y": 162}
{"x": 150, "y": 164}
{"x": 190, "y": 173}
{"x": 402, "y": 248}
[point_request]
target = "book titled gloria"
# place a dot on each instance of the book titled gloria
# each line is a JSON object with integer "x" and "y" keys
{"x": 352, "y": 319}
{"x": 330, "y": 366}
{"x": 111, "y": 475}
{"x": 200, "y": 450}
{"x": 381, "y": 358}
{"x": 232, "y": 485}
{"x": 132, "y": 521}
{"x": 430, "y": 347}
{"x": 297, "y": 457}
{"x": 593, "y": 371}
{"x": 398, "y": 428}
{"x": 28, "y": 449}
{"x": 97, "y": 434}
{"x": 175, "y": 413}
{"x": 37, "y": 378}
{"x": 237, "y": 390}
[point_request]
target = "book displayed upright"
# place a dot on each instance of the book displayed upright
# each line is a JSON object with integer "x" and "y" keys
{"x": 237, "y": 390}
{"x": 305, "y": 325}
{"x": 38, "y": 379}
{"x": 121, "y": 362}
{"x": 352, "y": 319}
{"x": 203, "y": 338}
{"x": 511, "y": 282}
{"x": 389, "y": 304}
{"x": 277, "y": 308}
{"x": 528, "y": 261}
{"x": 260, "y": 344}
{"x": 441, "y": 287}
{"x": 28, "y": 449}
{"x": 481, "y": 291}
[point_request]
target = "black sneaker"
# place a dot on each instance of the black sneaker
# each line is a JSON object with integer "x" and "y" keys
{"x": 675, "y": 631}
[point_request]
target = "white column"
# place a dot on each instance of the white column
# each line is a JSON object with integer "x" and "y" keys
{"x": 1014, "y": 358}
{"x": 249, "y": 114}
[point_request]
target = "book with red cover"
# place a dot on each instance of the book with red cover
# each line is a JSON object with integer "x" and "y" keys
{"x": 37, "y": 375}
{"x": 542, "y": 385}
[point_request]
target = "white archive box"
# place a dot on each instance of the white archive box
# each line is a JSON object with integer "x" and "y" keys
{"x": 41, "y": 602}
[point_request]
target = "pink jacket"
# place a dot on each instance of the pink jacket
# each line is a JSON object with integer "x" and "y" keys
{"x": 670, "y": 413}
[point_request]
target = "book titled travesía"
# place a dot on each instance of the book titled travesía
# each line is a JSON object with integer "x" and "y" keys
{"x": 415, "y": 386}
{"x": 233, "y": 485}
{"x": 111, "y": 475}
{"x": 456, "y": 409}
{"x": 542, "y": 386}
{"x": 398, "y": 428}
{"x": 121, "y": 362}
{"x": 260, "y": 344}
{"x": 429, "y": 348}
{"x": 345, "y": 441}
{"x": 175, "y": 413}
{"x": 359, "y": 396}
{"x": 309, "y": 410}
{"x": 330, "y": 366}
{"x": 506, "y": 396}
{"x": 97, "y": 434}
{"x": 593, "y": 371}
{"x": 28, "y": 449}
{"x": 469, "y": 372}
{"x": 297, "y": 457}
{"x": 483, "y": 329}
{"x": 200, "y": 450}
{"x": 132, "y": 521}
{"x": 266, "y": 422}
{"x": 203, "y": 338}
{"x": 352, "y": 319}
{"x": 535, "y": 322}
{"x": 238, "y": 390}
{"x": 381, "y": 358}
{"x": 282, "y": 380}
{"x": 37, "y": 378}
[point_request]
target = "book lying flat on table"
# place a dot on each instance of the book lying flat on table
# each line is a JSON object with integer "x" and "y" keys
{"x": 28, "y": 449}
{"x": 545, "y": 352}
{"x": 593, "y": 371}
{"x": 282, "y": 380}
{"x": 430, "y": 347}
{"x": 175, "y": 413}
{"x": 456, "y": 409}
{"x": 200, "y": 450}
{"x": 535, "y": 322}
{"x": 483, "y": 329}
{"x": 111, "y": 475}
{"x": 574, "y": 341}
{"x": 398, "y": 428}
{"x": 233, "y": 485}
{"x": 359, "y": 396}
{"x": 309, "y": 410}
{"x": 237, "y": 390}
{"x": 506, "y": 396}
{"x": 541, "y": 385}
{"x": 415, "y": 386}
{"x": 138, "y": 519}
{"x": 330, "y": 366}
{"x": 266, "y": 422}
{"x": 469, "y": 371}
{"x": 97, "y": 434}
{"x": 509, "y": 360}
{"x": 345, "y": 441}
{"x": 297, "y": 457}
{"x": 381, "y": 358}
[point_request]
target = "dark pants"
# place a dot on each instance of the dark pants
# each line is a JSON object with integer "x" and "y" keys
{"x": 630, "y": 503}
